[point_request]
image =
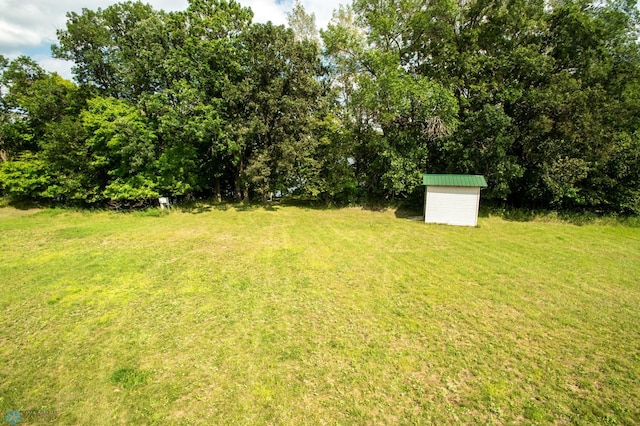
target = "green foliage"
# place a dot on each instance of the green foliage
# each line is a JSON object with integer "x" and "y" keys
{"x": 484, "y": 145}
{"x": 271, "y": 144}
{"x": 393, "y": 112}
{"x": 65, "y": 150}
{"x": 303, "y": 24}
{"x": 121, "y": 148}
{"x": 541, "y": 98}
{"x": 330, "y": 176}
{"x": 25, "y": 177}
{"x": 621, "y": 177}
{"x": 132, "y": 188}
{"x": 118, "y": 49}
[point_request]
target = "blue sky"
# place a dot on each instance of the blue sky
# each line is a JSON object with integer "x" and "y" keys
{"x": 28, "y": 27}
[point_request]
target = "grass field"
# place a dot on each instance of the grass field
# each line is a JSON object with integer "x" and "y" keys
{"x": 287, "y": 315}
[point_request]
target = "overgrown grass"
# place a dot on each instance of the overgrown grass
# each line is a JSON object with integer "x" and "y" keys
{"x": 224, "y": 314}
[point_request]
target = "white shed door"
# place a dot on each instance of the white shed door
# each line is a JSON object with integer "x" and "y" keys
{"x": 453, "y": 205}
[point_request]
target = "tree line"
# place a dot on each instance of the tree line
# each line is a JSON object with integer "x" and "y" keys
{"x": 541, "y": 97}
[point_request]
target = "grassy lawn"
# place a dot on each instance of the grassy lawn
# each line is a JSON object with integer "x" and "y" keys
{"x": 288, "y": 315}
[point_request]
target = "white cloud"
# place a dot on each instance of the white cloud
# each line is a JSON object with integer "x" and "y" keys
{"x": 14, "y": 36}
{"x": 63, "y": 68}
{"x": 30, "y": 25}
{"x": 323, "y": 10}
{"x": 266, "y": 10}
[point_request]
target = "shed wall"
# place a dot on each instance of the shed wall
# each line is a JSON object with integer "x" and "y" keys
{"x": 452, "y": 205}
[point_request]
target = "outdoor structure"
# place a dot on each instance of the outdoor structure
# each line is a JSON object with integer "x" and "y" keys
{"x": 452, "y": 199}
{"x": 164, "y": 202}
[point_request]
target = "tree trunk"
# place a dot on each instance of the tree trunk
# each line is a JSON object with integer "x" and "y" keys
{"x": 239, "y": 193}
{"x": 218, "y": 193}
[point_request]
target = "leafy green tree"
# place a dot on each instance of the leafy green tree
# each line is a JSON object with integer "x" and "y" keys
{"x": 210, "y": 59}
{"x": 5, "y": 112}
{"x": 22, "y": 126}
{"x": 25, "y": 177}
{"x": 573, "y": 121}
{"x": 395, "y": 113}
{"x": 189, "y": 136}
{"x": 120, "y": 50}
{"x": 66, "y": 154}
{"x": 40, "y": 113}
{"x": 303, "y": 24}
{"x": 483, "y": 145}
{"x": 122, "y": 151}
{"x": 272, "y": 110}
{"x": 541, "y": 97}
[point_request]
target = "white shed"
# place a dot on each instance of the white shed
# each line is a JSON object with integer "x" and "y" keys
{"x": 452, "y": 199}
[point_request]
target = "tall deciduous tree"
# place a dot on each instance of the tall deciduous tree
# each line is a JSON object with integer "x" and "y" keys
{"x": 540, "y": 97}
{"x": 273, "y": 108}
{"x": 303, "y": 24}
{"x": 394, "y": 112}
{"x": 119, "y": 50}
{"x": 122, "y": 150}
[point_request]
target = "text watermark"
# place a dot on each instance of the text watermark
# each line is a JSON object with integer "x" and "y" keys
{"x": 14, "y": 417}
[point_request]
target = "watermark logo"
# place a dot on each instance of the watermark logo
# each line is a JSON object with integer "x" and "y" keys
{"x": 13, "y": 417}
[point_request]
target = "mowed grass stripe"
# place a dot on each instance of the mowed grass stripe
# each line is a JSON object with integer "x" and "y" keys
{"x": 285, "y": 315}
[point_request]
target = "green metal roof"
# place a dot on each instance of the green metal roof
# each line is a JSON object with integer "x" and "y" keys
{"x": 454, "y": 180}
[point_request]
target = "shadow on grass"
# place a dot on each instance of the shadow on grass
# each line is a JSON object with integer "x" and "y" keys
{"x": 374, "y": 207}
{"x": 196, "y": 209}
{"x": 325, "y": 205}
{"x": 401, "y": 212}
{"x": 209, "y": 205}
{"x": 304, "y": 203}
{"x": 408, "y": 213}
{"x": 21, "y": 204}
{"x": 578, "y": 218}
{"x": 200, "y": 207}
{"x": 250, "y": 207}
{"x": 517, "y": 214}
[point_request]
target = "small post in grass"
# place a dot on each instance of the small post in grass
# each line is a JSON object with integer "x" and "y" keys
{"x": 164, "y": 202}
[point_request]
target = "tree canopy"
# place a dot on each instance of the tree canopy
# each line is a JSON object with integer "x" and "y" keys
{"x": 542, "y": 98}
